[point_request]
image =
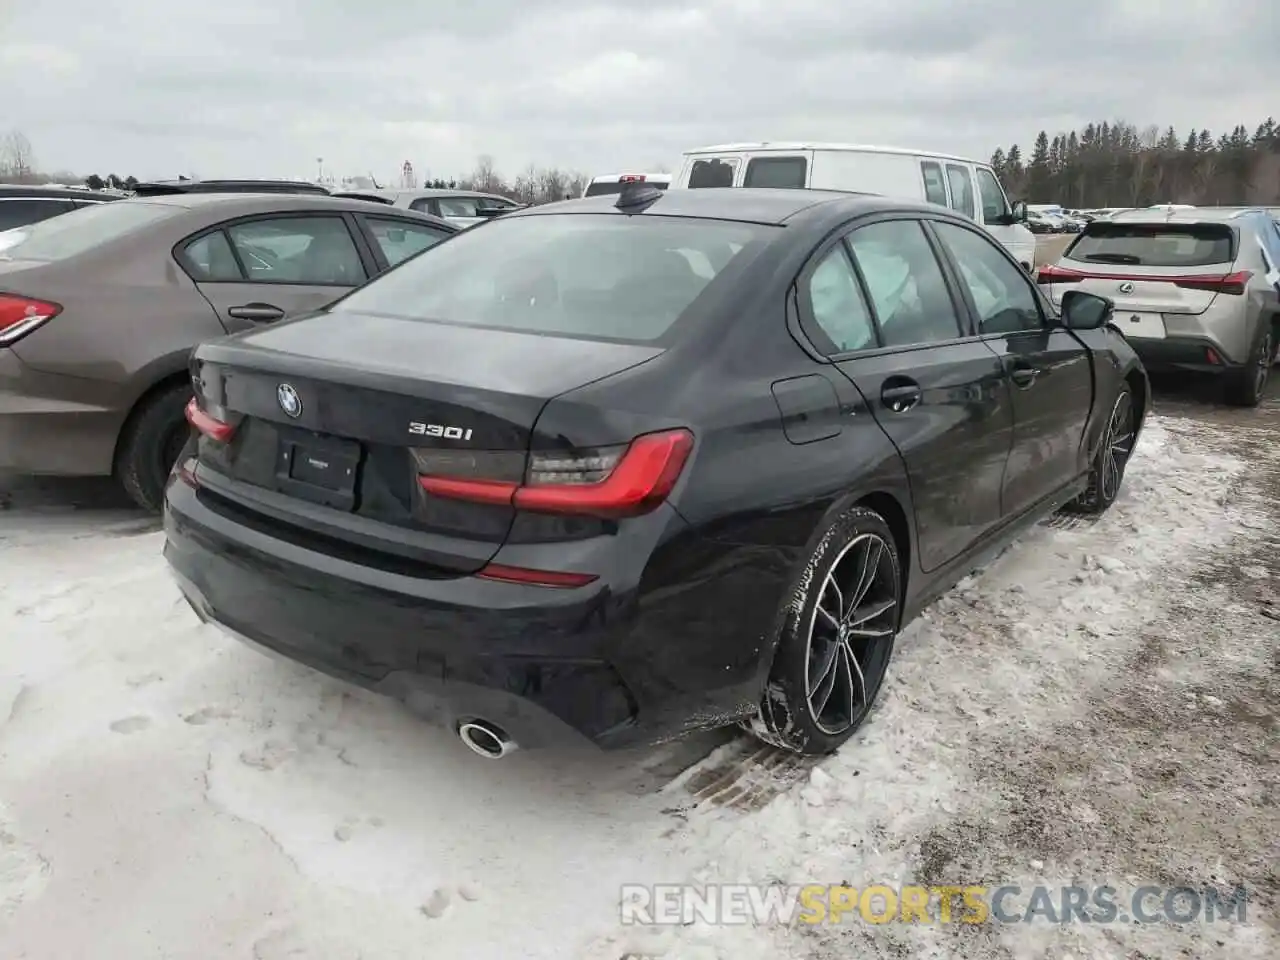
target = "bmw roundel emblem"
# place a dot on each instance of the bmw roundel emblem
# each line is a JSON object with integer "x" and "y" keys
{"x": 289, "y": 400}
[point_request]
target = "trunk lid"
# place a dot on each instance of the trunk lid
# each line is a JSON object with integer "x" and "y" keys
{"x": 336, "y": 416}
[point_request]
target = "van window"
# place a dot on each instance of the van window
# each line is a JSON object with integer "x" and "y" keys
{"x": 961, "y": 189}
{"x": 994, "y": 205}
{"x": 935, "y": 191}
{"x": 712, "y": 173}
{"x": 786, "y": 172}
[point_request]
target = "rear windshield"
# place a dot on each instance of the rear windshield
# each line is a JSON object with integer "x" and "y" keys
{"x": 576, "y": 275}
{"x": 712, "y": 173}
{"x": 1156, "y": 244}
{"x": 81, "y": 230}
{"x": 608, "y": 188}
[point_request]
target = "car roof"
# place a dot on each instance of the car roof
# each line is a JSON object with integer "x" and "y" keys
{"x": 230, "y": 205}
{"x": 427, "y": 193}
{"x": 39, "y": 190}
{"x": 797, "y": 146}
{"x": 232, "y": 186}
{"x": 1178, "y": 215}
{"x": 746, "y": 205}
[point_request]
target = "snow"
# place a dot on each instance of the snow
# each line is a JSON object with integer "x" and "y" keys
{"x": 166, "y": 792}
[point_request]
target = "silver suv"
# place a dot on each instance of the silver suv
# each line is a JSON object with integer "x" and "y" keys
{"x": 1195, "y": 289}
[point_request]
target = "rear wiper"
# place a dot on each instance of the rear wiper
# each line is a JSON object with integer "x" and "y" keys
{"x": 1113, "y": 258}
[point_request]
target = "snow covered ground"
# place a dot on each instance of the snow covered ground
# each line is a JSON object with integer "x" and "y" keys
{"x": 1099, "y": 705}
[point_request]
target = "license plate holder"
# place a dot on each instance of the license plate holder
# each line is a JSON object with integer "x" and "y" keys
{"x": 319, "y": 469}
{"x": 1144, "y": 326}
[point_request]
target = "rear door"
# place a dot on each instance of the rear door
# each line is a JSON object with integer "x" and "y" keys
{"x": 1154, "y": 271}
{"x": 1050, "y": 371}
{"x": 901, "y": 335}
{"x": 259, "y": 270}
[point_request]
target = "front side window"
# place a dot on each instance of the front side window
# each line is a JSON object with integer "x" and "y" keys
{"x": 907, "y": 287}
{"x": 713, "y": 173}
{"x": 575, "y": 275}
{"x": 994, "y": 204}
{"x": 961, "y": 189}
{"x": 74, "y": 233}
{"x": 785, "y": 172}
{"x": 1001, "y": 293}
{"x": 399, "y": 240}
{"x": 837, "y": 303}
{"x": 309, "y": 250}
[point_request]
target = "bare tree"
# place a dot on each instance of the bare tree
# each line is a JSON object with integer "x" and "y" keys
{"x": 16, "y": 157}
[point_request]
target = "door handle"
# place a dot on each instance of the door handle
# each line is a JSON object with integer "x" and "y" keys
{"x": 900, "y": 394}
{"x": 256, "y": 312}
{"x": 1024, "y": 376}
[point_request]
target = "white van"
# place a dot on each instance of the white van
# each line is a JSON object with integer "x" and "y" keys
{"x": 968, "y": 186}
{"x": 614, "y": 182}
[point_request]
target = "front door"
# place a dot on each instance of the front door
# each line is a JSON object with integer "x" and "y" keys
{"x": 936, "y": 390}
{"x": 265, "y": 269}
{"x": 1050, "y": 371}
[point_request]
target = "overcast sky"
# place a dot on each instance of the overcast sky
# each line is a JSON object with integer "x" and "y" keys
{"x": 156, "y": 88}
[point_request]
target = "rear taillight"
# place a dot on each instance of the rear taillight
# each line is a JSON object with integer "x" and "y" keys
{"x": 632, "y": 178}
{"x": 208, "y": 425}
{"x": 1051, "y": 274}
{"x": 20, "y": 315}
{"x": 1234, "y": 284}
{"x": 613, "y": 482}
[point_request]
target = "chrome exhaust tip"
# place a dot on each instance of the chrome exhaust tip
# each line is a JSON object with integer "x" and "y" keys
{"x": 485, "y": 739}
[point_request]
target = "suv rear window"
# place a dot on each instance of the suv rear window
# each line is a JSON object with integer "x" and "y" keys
{"x": 604, "y": 277}
{"x": 80, "y": 230}
{"x": 1155, "y": 244}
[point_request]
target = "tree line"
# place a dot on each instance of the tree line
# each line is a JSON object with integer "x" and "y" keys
{"x": 1115, "y": 164}
{"x": 1107, "y": 164}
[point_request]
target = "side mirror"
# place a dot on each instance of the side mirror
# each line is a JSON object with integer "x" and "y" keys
{"x": 1086, "y": 311}
{"x": 1018, "y": 214}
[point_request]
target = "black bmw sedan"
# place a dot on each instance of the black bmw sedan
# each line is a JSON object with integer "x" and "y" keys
{"x": 628, "y": 466}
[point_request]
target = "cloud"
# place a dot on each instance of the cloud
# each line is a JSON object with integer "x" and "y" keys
{"x": 260, "y": 89}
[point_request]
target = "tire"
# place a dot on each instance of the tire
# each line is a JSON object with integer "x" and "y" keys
{"x": 1245, "y": 386}
{"x": 1107, "y": 471}
{"x": 150, "y": 444}
{"x": 787, "y": 717}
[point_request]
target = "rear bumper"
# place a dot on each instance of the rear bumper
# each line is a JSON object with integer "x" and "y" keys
{"x": 1193, "y": 354}
{"x": 545, "y": 665}
{"x": 44, "y": 430}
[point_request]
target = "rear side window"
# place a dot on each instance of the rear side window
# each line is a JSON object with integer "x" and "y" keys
{"x": 786, "y": 172}
{"x": 907, "y": 287}
{"x": 209, "y": 259}
{"x": 19, "y": 213}
{"x": 1156, "y": 244}
{"x": 935, "y": 191}
{"x": 994, "y": 204}
{"x": 81, "y": 230}
{"x": 310, "y": 250}
{"x": 576, "y": 275}
{"x": 837, "y": 304}
{"x": 961, "y": 189}
{"x": 458, "y": 206}
{"x": 712, "y": 173}
{"x": 399, "y": 239}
